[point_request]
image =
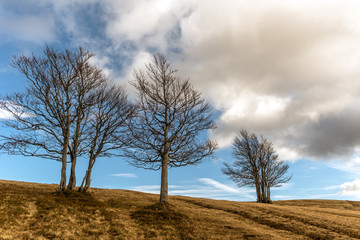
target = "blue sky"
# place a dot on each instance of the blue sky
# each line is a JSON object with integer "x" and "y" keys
{"x": 288, "y": 70}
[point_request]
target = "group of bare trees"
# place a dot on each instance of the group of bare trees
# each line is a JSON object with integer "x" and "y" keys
{"x": 256, "y": 165}
{"x": 71, "y": 110}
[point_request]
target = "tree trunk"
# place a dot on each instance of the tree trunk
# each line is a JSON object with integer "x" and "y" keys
{"x": 164, "y": 179}
{"x": 63, "y": 173}
{"x": 164, "y": 166}
{"x": 81, "y": 188}
{"x": 64, "y": 163}
{"x": 85, "y": 185}
{"x": 263, "y": 193}
{"x": 72, "y": 178}
{"x": 87, "y": 178}
{"x": 258, "y": 191}
{"x": 74, "y": 152}
{"x": 268, "y": 195}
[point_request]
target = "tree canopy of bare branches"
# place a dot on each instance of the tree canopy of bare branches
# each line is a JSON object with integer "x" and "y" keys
{"x": 171, "y": 116}
{"x": 88, "y": 79}
{"x": 107, "y": 127}
{"x": 68, "y": 108}
{"x": 42, "y": 115}
{"x": 256, "y": 164}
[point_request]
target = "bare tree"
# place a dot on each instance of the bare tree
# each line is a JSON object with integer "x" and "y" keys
{"x": 256, "y": 165}
{"x": 89, "y": 80}
{"x": 43, "y": 116}
{"x": 106, "y": 129}
{"x": 171, "y": 116}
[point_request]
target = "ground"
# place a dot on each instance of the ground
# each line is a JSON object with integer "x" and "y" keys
{"x": 38, "y": 211}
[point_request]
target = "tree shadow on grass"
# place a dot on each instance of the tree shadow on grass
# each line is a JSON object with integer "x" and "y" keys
{"x": 164, "y": 220}
{"x": 57, "y": 211}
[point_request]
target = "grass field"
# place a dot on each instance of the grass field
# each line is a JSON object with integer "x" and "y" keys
{"x": 37, "y": 211}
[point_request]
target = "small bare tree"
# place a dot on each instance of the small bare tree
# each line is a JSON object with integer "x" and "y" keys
{"x": 106, "y": 130}
{"x": 256, "y": 165}
{"x": 171, "y": 116}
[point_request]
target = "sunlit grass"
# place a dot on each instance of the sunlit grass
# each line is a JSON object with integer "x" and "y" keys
{"x": 38, "y": 211}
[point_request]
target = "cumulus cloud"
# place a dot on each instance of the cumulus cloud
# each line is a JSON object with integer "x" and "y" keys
{"x": 275, "y": 70}
{"x": 351, "y": 188}
{"x": 348, "y": 189}
{"x": 153, "y": 23}
{"x": 285, "y": 69}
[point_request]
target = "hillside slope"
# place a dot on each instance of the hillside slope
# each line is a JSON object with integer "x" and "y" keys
{"x": 37, "y": 211}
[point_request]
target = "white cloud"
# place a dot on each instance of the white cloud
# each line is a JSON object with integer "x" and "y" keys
{"x": 5, "y": 114}
{"x": 25, "y": 25}
{"x": 13, "y": 109}
{"x": 209, "y": 188}
{"x": 351, "y": 188}
{"x": 287, "y": 154}
{"x": 217, "y": 185}
{"x": 147, "y": 188}
{"x": 37, "y": 29}
{"x": 101, "y": 62}
{"x": 283, "y": 197}
{"x": 331, "y": 187}
{"x": 285, "y": 186}
{"x": 125, "y": 175}
{"x": 147, "y": 23}
{"x": 351, "y": 167}
{"x": 285, "y": 69}
{"x": 347, "y": 189}
{"x": 138, "y": 62}
{"x": 281, "y": 72}
{"x": 265, "y": 66}
{"x": 152, "y": 188}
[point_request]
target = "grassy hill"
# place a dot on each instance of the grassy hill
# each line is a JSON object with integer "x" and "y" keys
{"x": 37, "y": 211}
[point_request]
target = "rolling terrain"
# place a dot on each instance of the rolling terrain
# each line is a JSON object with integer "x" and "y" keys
{"x": 37, "y": 211}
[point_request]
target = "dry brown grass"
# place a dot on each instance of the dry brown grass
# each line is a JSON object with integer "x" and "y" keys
{"x": 37, "y": 211}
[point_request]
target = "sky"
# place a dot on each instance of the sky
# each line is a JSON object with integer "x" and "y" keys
{"x": 286, "y": 69}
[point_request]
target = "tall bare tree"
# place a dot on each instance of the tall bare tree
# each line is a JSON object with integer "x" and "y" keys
{"x": 106, "y": 130}
{"x": 171, "y": 116}
{"x": 256, "y": 165}
{"x": 54, "y": 100}
{"x": 89, "y": 80}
